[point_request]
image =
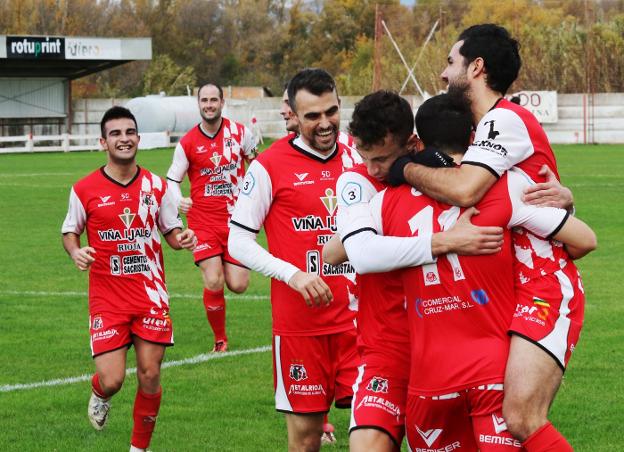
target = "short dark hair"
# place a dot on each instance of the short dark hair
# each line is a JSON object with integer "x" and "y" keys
{"x": 379, "y": 114}
{"x": 211, "y": 84}
{"x": 499, "y": 51}
{"x": 314, "y": 80}
{"x": 116, "y": 112}
{"x": 445, "y": 122}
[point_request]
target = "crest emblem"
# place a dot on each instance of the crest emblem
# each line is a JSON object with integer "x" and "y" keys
{"x": 97, "y": 323}
{"x": 377, "y": 384}
{"x": 298, "y": 372}
{"x": 215, "y": 159}
{"x": 330, "y": 201}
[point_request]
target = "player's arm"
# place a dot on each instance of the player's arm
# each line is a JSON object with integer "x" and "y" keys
{"x": 333, "y": 251}
{"x": 578, "y": 238}
{"x": 250, "y": 211}
{"x": 72, "y": 228}
{"x": 170, "y": 224}
{"x": 175, "y": 176}
{"x": 250, "y": 149}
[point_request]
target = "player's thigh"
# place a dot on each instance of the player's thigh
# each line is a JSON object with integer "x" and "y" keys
{"x": 236, "y": 277}
{"x": 532, "y": 377}
{"x": 212, "y": 272}
{"x": 371, "y": 440}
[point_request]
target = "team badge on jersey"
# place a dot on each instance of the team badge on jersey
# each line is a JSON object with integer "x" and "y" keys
{"x": 127, "y": 217}
{"x": 330, "y": 201}
{"x": 298, "y": 372}
{"x": 377, "y": 384}
{"x": 215, "y": 159}
{"x": 147, "y": 197}
{"x": 98, "y": 323}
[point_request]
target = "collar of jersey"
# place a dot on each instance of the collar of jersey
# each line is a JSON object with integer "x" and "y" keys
{"x": 119, "y": 183}
{"x": 300, "y": 146}
{"x": 201, "y": 129}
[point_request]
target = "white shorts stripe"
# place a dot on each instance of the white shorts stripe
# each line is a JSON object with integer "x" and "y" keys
{"x": 356, "y": 385}
{"x": 557, "y": 340}
{"x": 281, "y": 398}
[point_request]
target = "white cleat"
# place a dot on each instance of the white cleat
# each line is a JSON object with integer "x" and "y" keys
{"x": 328, "y": 437}
{"x": 98, "y": 411}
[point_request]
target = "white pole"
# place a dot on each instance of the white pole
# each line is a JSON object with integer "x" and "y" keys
{"x": 422, "y": 49}
{"x": 396, "y": 47}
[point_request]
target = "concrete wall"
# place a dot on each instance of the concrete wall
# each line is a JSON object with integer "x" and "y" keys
{"x": 607, "y": 126}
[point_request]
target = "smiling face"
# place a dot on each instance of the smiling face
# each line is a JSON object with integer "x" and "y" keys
{"x": 319, "y": 119}
{"x": 455, "y": 73}
{"x": 210, "y": 104}
{"x": 289, "y": 117}
{"x": 121, "y": 140}
{"x": 379, "y": 157}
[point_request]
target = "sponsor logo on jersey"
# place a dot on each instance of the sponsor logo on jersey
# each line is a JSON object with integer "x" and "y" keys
{"x": 322, "y": 239}
{"x": 543, "y": 309}
{"x": 301, "y": 179}
{"x": 125, "y": 197}
{"x": 529, "y": 313}
{"x": 499, "y": 423}
{"x": 123, "y": 247}
{"x": 372, "y": 401}
{"x": 115, "y": 235}
{"x": 215, "y": 159}
{"x": 487, "y": 145}
{"x": 298, "y": 372}
{"x": 301, "y": 176}
{"x": 314, "y": 223}
{"x": 98, "y": 323}
{"x": 479, "y": 296}
{"x": 429, "y": 436}
{"x": 127, "y": 217}
{"x": 151, "y": 323}
{"x": 378, "y": 384}
{"x": 135, "y": 263}
{"x": 103, "y": 335}
{"x": 201, "y": 150}
{"x": 220, "y": 189}
{"x": 492, "y": 134}
{"x": 330, "y": 201}
{"x": 105, "y": 201}
{"x": 341, "y": 269}
{"x": 220, "y": 169}
{"x": 501, "y": 440}
{"x": 440, "y": 305}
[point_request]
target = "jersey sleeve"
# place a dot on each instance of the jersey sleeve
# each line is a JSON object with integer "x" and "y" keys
{"x": 501, "y": 141}
{"x": 76, "y": 216}
{"x": 354, "y": 193}
{"x": 168, "y": 218}
{"x": 179, "y": 166}
{"x": 254, "y": 200}
{"x": 541, "y": 221}
{"x": 248, "y": 144}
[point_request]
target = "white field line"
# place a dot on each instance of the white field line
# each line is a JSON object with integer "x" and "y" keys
{"x": 85, "y": 294}
{"x": 34, "y": 174}
{"x": 181, "y": 362}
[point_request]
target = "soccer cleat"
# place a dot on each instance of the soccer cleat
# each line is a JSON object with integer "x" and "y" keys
{"x": 98, "y": 411}
{"x": 220, "y": 347}
{"x": 328, "y": 436}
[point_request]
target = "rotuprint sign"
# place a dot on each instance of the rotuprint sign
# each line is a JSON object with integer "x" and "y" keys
{"x": 92, "y": 49}
{"x": 35, "y": 47}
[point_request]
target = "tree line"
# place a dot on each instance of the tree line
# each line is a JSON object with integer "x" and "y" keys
{"x": 566, "y": 45}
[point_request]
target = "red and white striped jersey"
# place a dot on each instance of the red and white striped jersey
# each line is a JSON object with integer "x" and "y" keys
{"x": 291, "y": 192}
{"x": 122, "y": 224}
{"x": 215, "y": 169}
{"x": 460, "y": 307}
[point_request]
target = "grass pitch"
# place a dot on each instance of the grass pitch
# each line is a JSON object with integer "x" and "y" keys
{"x": 227, "y": 403}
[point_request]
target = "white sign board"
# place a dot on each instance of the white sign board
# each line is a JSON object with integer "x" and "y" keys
{"x": 543, "y": 104}
{"x": 92, "y": 49}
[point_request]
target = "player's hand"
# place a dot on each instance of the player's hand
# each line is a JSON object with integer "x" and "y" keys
{"x": 467, "y": 239}
{"x": 185, "y": 205}
{"x": 83, "y": 258}
{"x": 396, "y": 175}
{"x": 312, "y": 288}
{"x": 187, "y": 239}
{"x": 433, "y": 158}
{"x": 550, "y": 193}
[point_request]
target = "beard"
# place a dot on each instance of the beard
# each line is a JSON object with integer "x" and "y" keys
{"x": 211, "y": 119}
{"x": 322, "y": 146}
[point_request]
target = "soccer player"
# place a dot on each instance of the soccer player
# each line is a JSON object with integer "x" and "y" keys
{"x": 383, "y": 121}
{"x": 289, "y": 189}
{"x": 482, "y": 64}
{"x": 123, "y": 207}
{"x": 212, "y": 154}
{"x": 470, "y": 304}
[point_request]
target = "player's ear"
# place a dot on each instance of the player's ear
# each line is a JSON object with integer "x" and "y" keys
{"x": 414, "y": 143}
{"x": 103, "y": 144}
{"x": 477, "y": 67}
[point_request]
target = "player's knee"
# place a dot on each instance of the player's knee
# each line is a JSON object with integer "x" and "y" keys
{"x": 311, "y": 443}
{"x": 214, "y": 282}
{"x": 149, "y": 378}
{"x": 111, "y": 384}
{"x": 521, "y": 419}
{"x": 239, "y": 286}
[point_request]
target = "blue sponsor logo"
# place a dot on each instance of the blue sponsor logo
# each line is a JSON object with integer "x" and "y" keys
{"x": 417, "y": 305}
{"x": 479, "y": 296}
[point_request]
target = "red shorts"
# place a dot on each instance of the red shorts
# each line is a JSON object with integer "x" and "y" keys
{"x": 309, "y": 372}
{"x": 212, "y": 242}
{"x": 379, "y": 399}
{"x": 550, "y": 311}
{"x": 469, "y": 420}
{"x": 111, "y": 331}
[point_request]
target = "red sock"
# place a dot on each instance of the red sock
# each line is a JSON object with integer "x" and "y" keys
{"x": 145, "y": 412}
{"x": 547, "y": 439}
{"x": 214, "y": 302}
{"x": 97, "y": 389}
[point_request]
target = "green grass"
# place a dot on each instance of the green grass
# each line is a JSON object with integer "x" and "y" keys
{"x": 227, "y": 403}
